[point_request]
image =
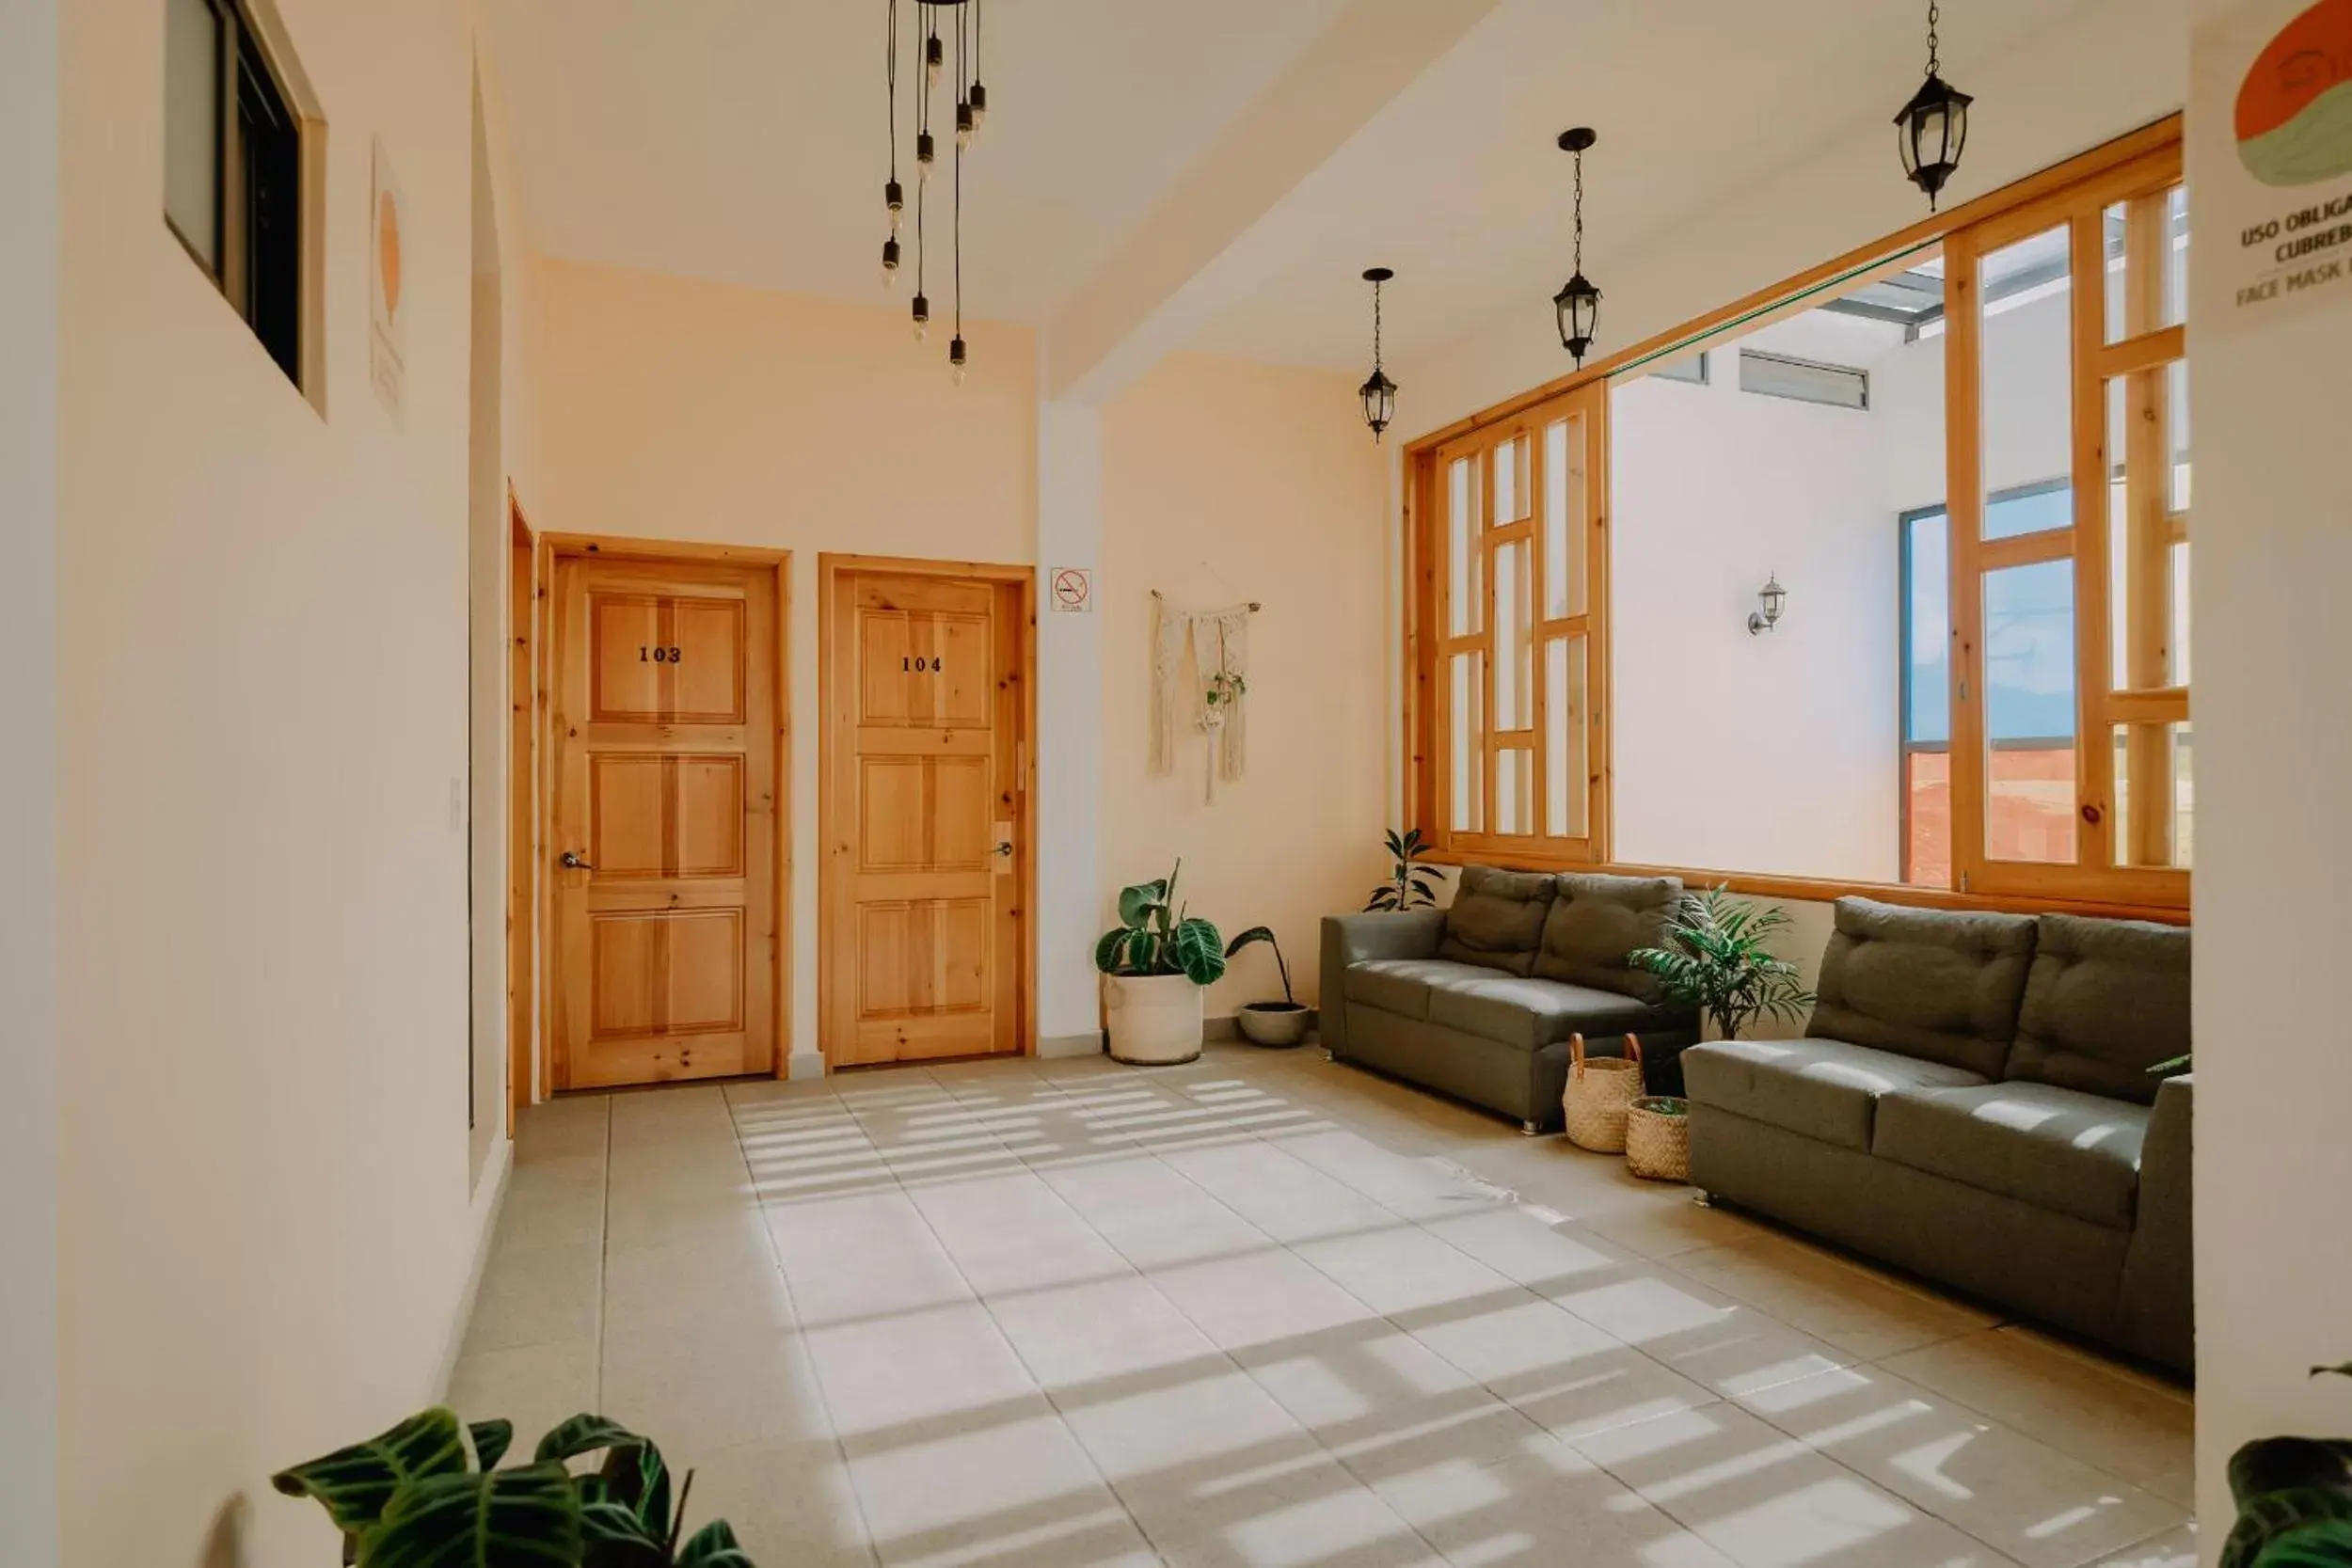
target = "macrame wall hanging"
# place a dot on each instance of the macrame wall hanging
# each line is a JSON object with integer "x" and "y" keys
{"x": 1219, "y": 707}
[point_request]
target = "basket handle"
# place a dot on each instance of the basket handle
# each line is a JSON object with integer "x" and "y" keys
{"x": 1576, "y": 1057}
{"x": 1634, "y": 1049}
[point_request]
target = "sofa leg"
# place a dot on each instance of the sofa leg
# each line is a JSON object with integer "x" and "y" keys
{"x": 1702, "y": 1198}
{"x": 1528, "y": 1129}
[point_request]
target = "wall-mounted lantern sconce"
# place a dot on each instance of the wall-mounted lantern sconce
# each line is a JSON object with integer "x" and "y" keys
{"x": 1772, "y": 595}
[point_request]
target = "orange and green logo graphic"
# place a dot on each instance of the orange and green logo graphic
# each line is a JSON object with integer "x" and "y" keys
{"x": 2294, "y": 107}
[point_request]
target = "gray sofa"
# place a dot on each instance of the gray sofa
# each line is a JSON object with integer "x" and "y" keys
{"x": 1478, "y": 1001}
{"x": 1972, "y": 1103}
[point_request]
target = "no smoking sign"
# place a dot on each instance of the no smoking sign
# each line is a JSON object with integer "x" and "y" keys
{"x": 1073, "y": 589}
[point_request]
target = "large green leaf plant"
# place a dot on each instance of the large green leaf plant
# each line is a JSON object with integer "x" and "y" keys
{"x": 1718, "y": 958}
{"x": 1155, "y": 936}
{"x": 2295, "y": 1500}
{"x": 429, "y": 1494}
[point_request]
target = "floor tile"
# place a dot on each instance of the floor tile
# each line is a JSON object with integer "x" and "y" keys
{"x": 1727, "y": 1345}
{"x": 1560, "y": 1371}
{"x": 1550, "y": 1507}
{"x": 997, "y": 1488}
{"x": 533, "y": 1294}
{"x": 713, "y": 1389}
{"x": 1766, "y": 1500}
{"x": 2174, "y": 1549}
{"x": 1835, "y": 1301}
{"x": 2037, "y": 1505}
{"x": 695, "y": 1286}
{"x": 1258, "y": 1298}
{"x": 1385, "y": 1405}
{"x": 889, "y": 1379}
{"x": 2125, "y": 1423}
{"x": 535, "y": 1387}
{"x": 1072, "y": 1338}
{"x": 789, "y": 1500}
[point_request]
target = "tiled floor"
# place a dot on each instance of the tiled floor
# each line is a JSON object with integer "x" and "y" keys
{"x": 1263, "y": 1309}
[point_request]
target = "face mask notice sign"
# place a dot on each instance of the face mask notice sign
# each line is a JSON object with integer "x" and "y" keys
{"x": 2279, "y": 210}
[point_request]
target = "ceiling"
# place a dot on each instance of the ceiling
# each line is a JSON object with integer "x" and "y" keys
{"x": 743, "y": 140}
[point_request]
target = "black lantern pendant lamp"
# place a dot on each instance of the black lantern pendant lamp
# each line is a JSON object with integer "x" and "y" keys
{"x": 1578, "y": 303}
{"x": 1378, "y": 391}
{"x": 1933, "y": 126}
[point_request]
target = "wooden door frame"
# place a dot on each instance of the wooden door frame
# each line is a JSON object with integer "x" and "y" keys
{"x": 553, "y": 548}
{"x": 830, "y": 568}
{"x": 526, "y": 592}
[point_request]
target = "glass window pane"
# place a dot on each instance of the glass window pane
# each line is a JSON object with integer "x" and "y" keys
{"x": 1928, "y": 818}
{"x": 1515, "y": 691}
{"x": 2180, "y": 613}
{"x": 1515, "y": 781}
{"x": 1466, "y": 597}
{"x": 1564, "y": 518}
{"x": 1511, "y": 495}
{"x": 1567, "y": 770}
{"x": 1467, "y": 745}
{"x": 2153, "y": 795}
{"x": 1928, "y": 601}
{"x": 2027, "y": 371}
{"x": 2176, "y": 418}
{"x": 2036, "y": 509}
{"x": 2147, "y": 263}
{"x": 192, "y": 97}
{"x": 2029, "y": 712}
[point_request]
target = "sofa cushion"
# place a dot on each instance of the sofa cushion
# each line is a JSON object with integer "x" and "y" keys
{"x": 2059, "y": 1149}
{"x": 1597, "y": 921}
{"x": 1400, "y": 986}
{"x": 1496, "y": 918}
{"x": 1826, "y": 1090}
{"x": 1531, "y": 1014}
{"x": 1928, "y": 983}
{"x": 2107, "y": 1000}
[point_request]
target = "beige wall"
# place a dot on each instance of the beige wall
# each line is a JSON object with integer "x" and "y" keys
{"x": 1224, "y": 481}
{"x": 28, "y": 782}
{"x": 268, "y": 1223}
{"x": 671, "y": 408}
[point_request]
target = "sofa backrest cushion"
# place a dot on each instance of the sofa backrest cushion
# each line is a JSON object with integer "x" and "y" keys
{"x": 1496, "y": 918}
{"x": 2106, "y": 1001}
{"x": 1930, "y": 984}
{"x": 1596, "y": 921}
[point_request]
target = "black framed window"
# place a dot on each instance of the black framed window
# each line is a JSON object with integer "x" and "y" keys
{"x": 232, "y": 163}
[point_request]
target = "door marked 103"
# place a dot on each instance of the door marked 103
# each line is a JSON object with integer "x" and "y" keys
{"x": 649, "y": 655}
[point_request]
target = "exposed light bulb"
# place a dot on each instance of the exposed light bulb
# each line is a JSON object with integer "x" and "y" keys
{"x": 890, "y": 263}
{"x": 979, "y": 106}
{"x": 965, "y": 125}
{"x": 935, "y": 56}
{"x": 956, "y": 358}
{"x": 925, "y": 153}
{"x": 922, "y": 317}
{"x": 894, "y": 197}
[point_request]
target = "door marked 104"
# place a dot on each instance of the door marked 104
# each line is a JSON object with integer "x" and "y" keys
{"x": 923, "y": 666}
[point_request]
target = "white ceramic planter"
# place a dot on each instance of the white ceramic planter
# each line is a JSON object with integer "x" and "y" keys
{"x": 1154, "y": 1019}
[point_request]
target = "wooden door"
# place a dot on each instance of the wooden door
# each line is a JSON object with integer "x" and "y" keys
{"x": 664, "y": 825}
{"x": 923, "y": 949}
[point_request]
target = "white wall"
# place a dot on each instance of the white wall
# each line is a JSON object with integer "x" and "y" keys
{"x": 1737, "y": 752}
{"x": 2272, "y": 559}
{"x": 268, "y": 1219}
{"x": 28, "y": 783}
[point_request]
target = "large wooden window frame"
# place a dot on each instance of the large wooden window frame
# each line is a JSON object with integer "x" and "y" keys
{"x": 2137, "y": 171}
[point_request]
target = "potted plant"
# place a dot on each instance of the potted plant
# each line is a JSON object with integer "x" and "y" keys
{"x": 1718, "y": 958}
{"x": 1411, "y": 884}
{"x": 2295, "y": 1500}
{"x": 430, "y": 1491}
{"x": 1275, "y": 1023}
{"x": 1154, "y": 962}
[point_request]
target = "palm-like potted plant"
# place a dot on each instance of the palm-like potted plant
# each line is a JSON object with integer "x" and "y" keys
{"x": 1718, "y": 958}
{"x": 1410, "y": 885}
{"x": 1274, "y": 1023}
{"x": 1155, "y": 964}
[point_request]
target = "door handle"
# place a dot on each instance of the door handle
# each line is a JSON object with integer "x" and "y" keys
{"x": 1004, "y": 848}
{"x": 573, "y": 862}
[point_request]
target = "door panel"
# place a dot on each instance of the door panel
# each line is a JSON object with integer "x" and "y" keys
{"x": 664, "y": 753}
{"x": 924, "y": 944}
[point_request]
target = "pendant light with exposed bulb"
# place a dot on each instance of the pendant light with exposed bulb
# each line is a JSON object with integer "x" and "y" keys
{"x": 970, "y": 106}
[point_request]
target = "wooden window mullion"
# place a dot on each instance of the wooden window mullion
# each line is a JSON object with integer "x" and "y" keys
{"x": 2094, "y": 757}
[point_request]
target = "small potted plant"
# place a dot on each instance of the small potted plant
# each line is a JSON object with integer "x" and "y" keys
{"x": 1155, "y": 964}
{"x": 1275, "y": 1023}
{"x": 1718, "y": 958}
{"x": 1410, "y": 885}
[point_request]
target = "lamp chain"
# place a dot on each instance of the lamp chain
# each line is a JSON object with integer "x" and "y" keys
{"x": 1934, "y": 15}
{"x": 1580, "y": 210}
{"x": 1376, "y": 326}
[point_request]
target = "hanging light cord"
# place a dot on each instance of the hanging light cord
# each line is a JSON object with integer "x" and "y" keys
{"x": 890, "y": 66}
{"x": 961, "y": 88}
{"x": 1375, "y": 327}
{"x": 1580, "y": 210}
{"x": 1934, "y": 15}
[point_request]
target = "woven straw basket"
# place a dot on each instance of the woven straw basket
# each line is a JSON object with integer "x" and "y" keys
{"x": 1600, "y": 1088}
{"x": 1657, "y": 1139}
